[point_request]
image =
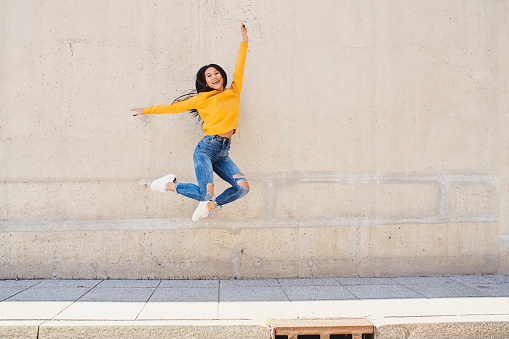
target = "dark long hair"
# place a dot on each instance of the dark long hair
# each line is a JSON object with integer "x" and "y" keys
{"x": 201, "y": 86}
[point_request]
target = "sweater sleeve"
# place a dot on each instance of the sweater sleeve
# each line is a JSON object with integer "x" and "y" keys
{"x": 238, "y": 74}
{"x": 176, "y": 107}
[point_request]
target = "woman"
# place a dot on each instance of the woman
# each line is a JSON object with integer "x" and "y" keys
{"x": 218, "y": 107}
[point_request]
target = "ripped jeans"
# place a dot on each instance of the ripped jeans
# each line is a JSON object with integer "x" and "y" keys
{"x": 211, "y": 154}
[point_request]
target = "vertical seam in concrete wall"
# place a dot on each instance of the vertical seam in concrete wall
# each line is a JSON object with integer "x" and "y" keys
{"x": 443, "y": 200}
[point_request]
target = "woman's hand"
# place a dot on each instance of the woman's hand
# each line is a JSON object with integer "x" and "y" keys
{"x": 139, "y": 110}
{"x": 243, "y": 30}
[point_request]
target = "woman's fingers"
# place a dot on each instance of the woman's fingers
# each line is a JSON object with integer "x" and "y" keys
{"x": 139, "y": 110}
{"x": 243, "y": 30}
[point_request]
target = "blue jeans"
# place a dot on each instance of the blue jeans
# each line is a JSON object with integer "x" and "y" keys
{"x": 211, "y": 154}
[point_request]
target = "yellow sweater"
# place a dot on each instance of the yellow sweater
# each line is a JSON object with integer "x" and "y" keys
{"x": 218, "y": 110}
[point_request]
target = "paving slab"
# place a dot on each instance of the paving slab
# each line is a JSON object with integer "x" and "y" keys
{"x": 129, "y": 283}
{"x": 421, "y": 280}
{"x": 366, "y": 281}
{"x": 67, "y": 283}
{"x": 313, "y": 309}
{"x": 474, "y": 305}
{"x": 179, "y": 310}
{"x": 185, "y": 294}
{"x": 189, "y": 283}
{"x": 413, "y": 307}
{"x": 250, "y": 283}
{"x": 19, "y": 283}
{"x": 446, "y": 289}
{"x": 317, "y": 293}
{"x": 256, "y": 310}
{"x": 27, "y": 310}
{"x": 381, "y": 291}
{"x": 50, "y": 294}
{"x": 478, "y": 279}
{"x": 90, "y": 310}
{"x": 134, "y": 294}
{"x": 252, "y": 294}
{"x": 7, "y": 292}
{"x": 495, "y": 290}
{"x": 308, "y": 282}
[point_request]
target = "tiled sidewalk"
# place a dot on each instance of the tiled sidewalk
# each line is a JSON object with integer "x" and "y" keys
{"x": 380, "y": 300}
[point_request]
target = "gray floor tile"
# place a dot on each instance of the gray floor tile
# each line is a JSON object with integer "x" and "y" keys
{"x": 189, "y": 283}
{"x": 50, "y": 294}
{"x": 249, "y": 283}
{"x": 68, "y": 283}
{"x": 495, "y": 290}
{"x": 252, "y": 294}
{"x": 7, "y": 292}
{"x": 19, "y": 283}
{"x": 477, "y": 279}
{"x": 318, "y": 293}
{"x": 308, "y": 282}
{"x": 421, "y": 280}
{"x": 382, "y": 291}
{"x": 185, "y": 294}
{"x": 366, "y": 281}
{"x": 445, "y": 290}
{"x": 118, "y": 294}
{"x": 129, "y": 283}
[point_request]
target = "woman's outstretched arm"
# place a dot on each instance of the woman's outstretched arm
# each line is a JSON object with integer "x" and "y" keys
{"x": 176, "y": 107}
{"x": 238, "y": 74}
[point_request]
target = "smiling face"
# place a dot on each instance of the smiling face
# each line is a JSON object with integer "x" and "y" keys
{"x": 214, "y": 79}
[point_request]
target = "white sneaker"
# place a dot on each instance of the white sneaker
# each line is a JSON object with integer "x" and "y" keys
{"x": 202, "y": 211}
{"x": 160, "y": 184}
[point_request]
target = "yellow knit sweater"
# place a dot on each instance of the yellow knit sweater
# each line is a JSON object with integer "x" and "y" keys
{"x": 218, "y": 110}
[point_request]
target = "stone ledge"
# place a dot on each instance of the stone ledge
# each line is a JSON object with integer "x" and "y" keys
{"x": 26, "y": 329}
{"x": 469, "y": 327}
{"x": 199, "y": 329}
{"x": 489, "y": 326}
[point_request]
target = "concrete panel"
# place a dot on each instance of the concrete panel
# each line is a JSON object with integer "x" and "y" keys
{"x": 419, "y": 249}
{"x": 474, "y": 199}
{"x": 332, "y": 200}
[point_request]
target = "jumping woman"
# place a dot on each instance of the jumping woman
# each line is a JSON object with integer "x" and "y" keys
{"x": 218, "y": 107}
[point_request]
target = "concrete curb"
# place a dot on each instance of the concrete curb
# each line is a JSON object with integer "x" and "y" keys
{"x": 195, "y": 329}
{"x": 488, "y": 326}
{"x": 19, "y": 329}
{"x": 498, "y": 327}
{"x": 478, "y": 330}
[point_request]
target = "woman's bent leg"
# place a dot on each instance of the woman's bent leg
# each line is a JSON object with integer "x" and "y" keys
{"x": 229, "y": 172}
{"x": 203, "y": 169}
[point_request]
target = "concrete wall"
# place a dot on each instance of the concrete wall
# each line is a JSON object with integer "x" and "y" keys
{"x": 374, "y": 135}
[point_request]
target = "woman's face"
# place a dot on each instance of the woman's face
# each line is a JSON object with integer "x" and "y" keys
{"x": 214, "y": 79}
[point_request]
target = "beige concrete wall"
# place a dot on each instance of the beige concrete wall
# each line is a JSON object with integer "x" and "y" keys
{"x": 373, "y": 133}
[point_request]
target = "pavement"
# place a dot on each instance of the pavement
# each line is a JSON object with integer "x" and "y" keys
{"x": 399, "y": 307}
